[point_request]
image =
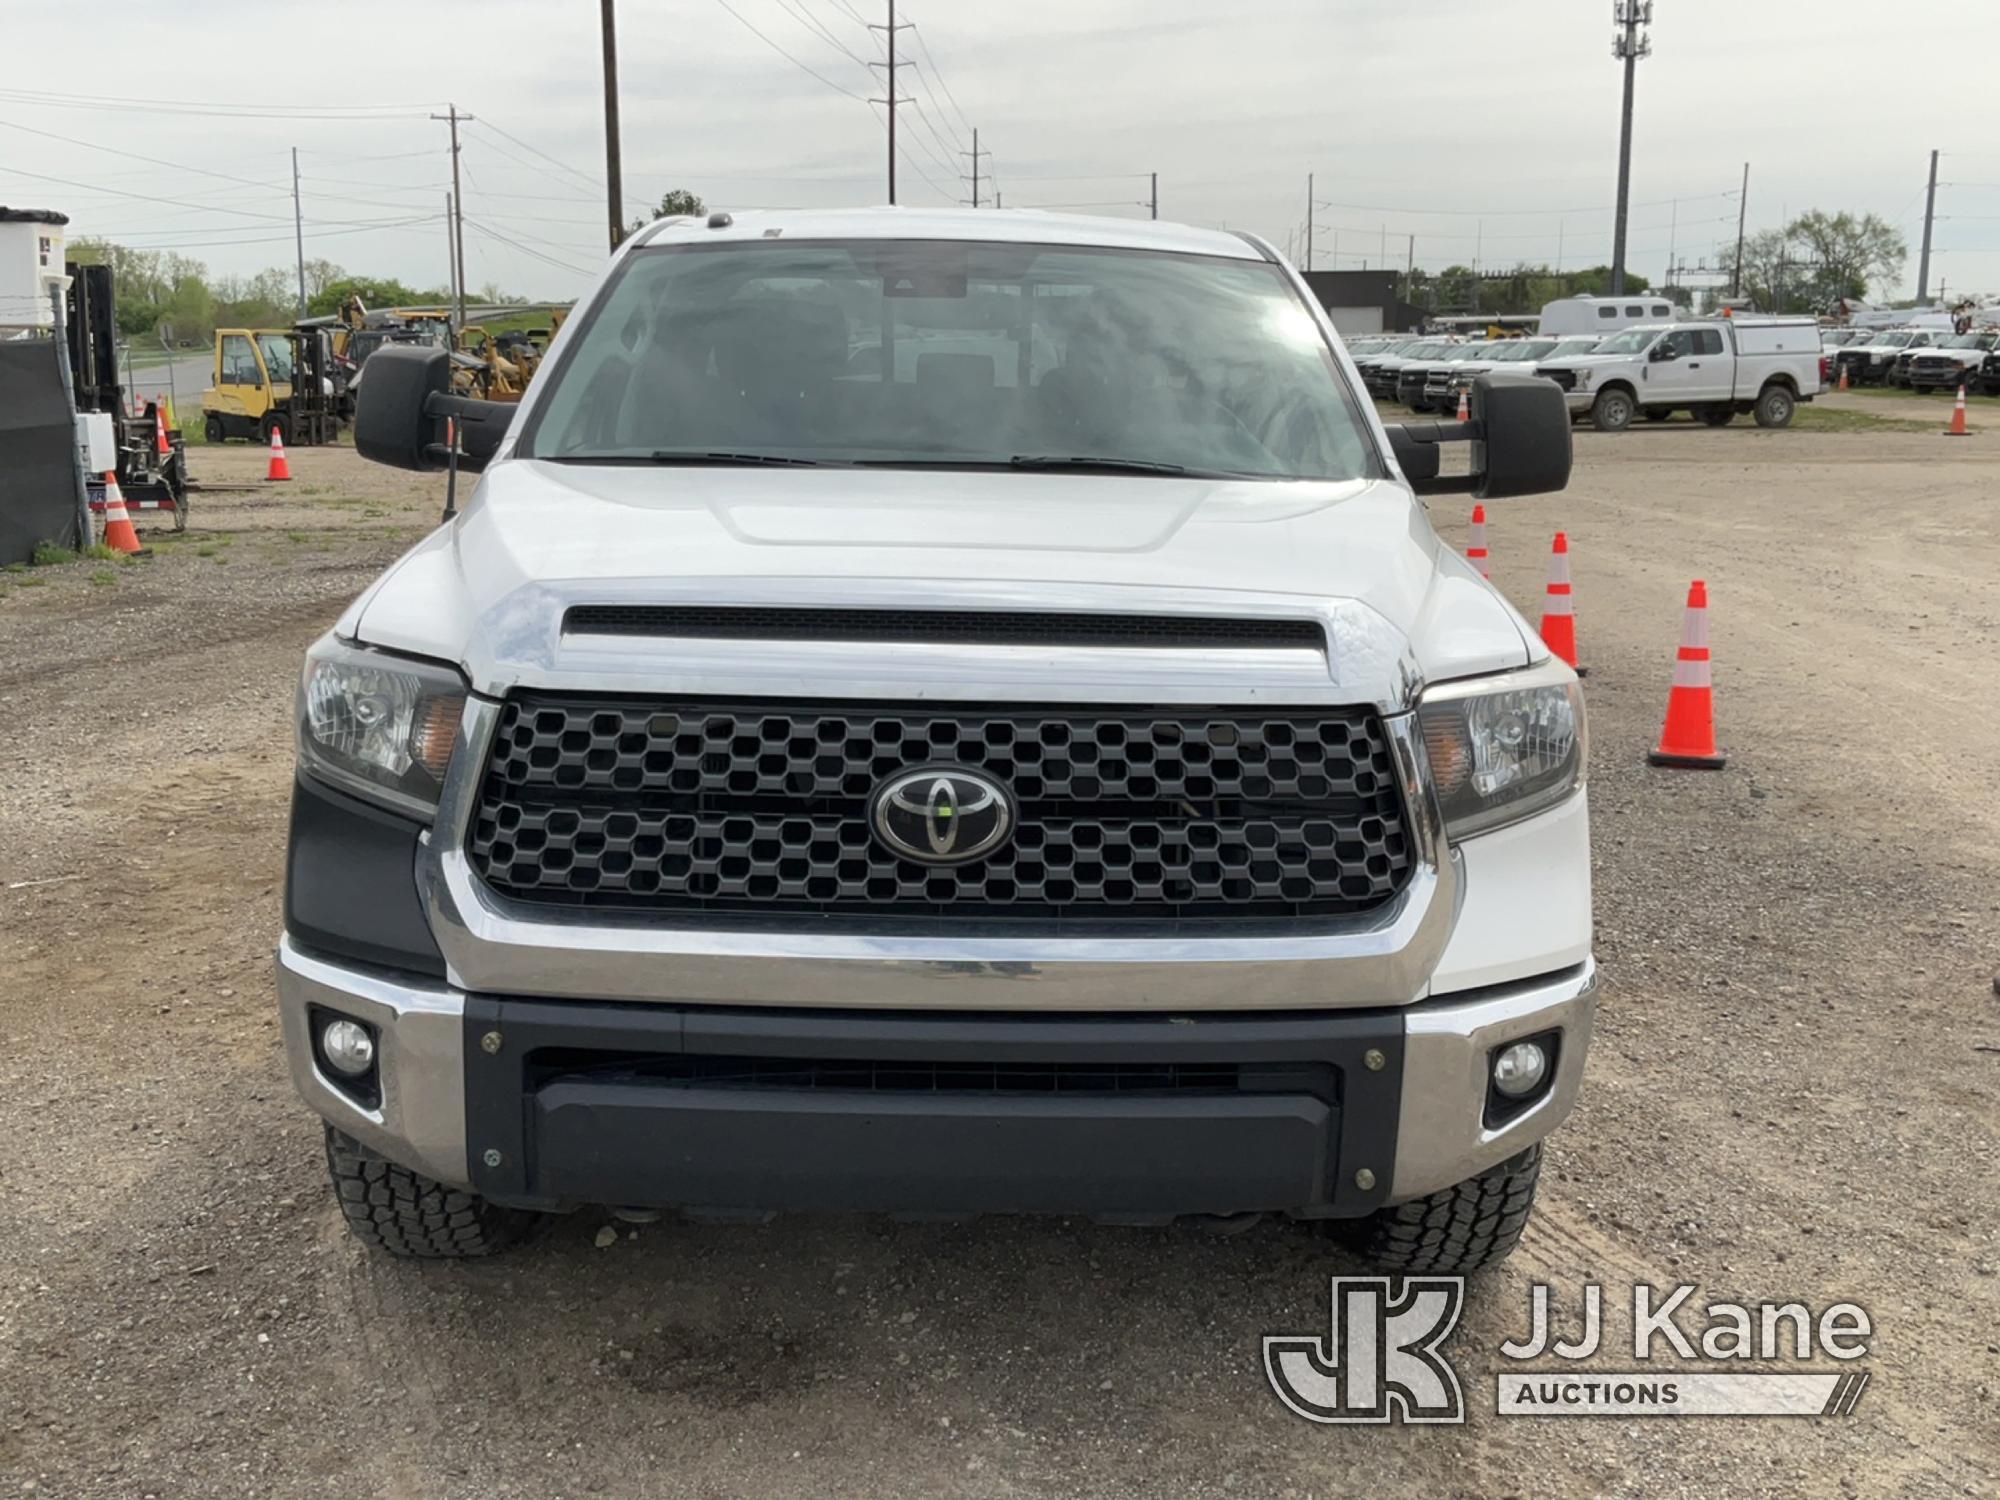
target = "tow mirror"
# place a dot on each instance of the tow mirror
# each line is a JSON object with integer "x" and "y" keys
{"x": 399, "y": 415}
{"x": 1519, "y": 429}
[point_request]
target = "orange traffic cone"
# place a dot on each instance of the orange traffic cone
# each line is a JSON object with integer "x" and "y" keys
{"x": 1475, "y": 550}
{"x": 119, "y": 533}
{"x": 1559, "y": 611}
{"x": 160, "y": 428}
{"x": 1689, "y": 736}
{"x": 1464, "y": 406}
{"x": 1843, "y": 375}
{"x": 279, "y": 468}
{"x": 1957, "y": 428}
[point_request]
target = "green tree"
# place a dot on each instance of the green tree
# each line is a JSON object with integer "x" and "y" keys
{"x": 1851, "y": 254}
{"x": 675, "y": 203}
{"x": 375, "y": 293}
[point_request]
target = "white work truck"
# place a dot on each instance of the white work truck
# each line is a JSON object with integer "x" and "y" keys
{"x": 1716, "y": 370}
{"x": 941, "y": 712}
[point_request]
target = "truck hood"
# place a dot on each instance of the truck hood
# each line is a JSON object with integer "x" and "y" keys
{"x": 489, "y": 591}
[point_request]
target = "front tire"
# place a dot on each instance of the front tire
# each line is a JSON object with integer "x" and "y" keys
{"x": 409, "y": 1215}
{"x": 212, "y": 428}
{"x": 1775, "y": 406}
{"x": 1613, "y": 410}
{"x": 1457, "y": 1230}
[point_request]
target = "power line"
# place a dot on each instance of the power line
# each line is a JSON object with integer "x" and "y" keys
{"x": 242, "y": 213}
{"x": 581, "y": 176}
{"x": 749, "y": 26}
{"x": 491, "y": 232}
{"x": 139, "y": 156}
{"x": 797, "y": 11}
{"x": 938, "y": 73}
{"x": 351, "y": 113}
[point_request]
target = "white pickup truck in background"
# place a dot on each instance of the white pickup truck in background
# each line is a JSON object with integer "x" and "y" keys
{"x": 1715, "y": 370}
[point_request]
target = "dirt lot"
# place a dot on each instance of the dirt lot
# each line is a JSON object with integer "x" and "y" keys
{"x": 1795, "y": 1092}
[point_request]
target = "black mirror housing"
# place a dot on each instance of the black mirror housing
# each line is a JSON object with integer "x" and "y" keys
{"x": 1525, "y": 447}
{"x": 399, "y": 417}
{"x": 1519, "y": 429}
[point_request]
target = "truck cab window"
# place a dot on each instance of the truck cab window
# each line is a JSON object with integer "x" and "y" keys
{"x": 239, "y": 362}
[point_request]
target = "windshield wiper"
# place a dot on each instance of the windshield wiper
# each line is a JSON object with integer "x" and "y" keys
{"x": 680, "y": 456}
{"x": 1103, "y": 465}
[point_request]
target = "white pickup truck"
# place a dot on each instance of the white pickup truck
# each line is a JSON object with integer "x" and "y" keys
{"x": 835, "y": 762}
{"x": 1765, "y": 366}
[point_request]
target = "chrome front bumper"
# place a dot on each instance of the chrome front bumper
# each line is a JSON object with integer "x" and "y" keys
{"x": 1441, "y": 1137}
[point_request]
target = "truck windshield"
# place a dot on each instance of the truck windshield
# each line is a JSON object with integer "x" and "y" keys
{"x": 1629, "y": 342}
{"x": 1968, "y": 341}
{"x": 277, "y": 355}
{"x": 952, "y": 354}
{"x": 1893, "y": 340}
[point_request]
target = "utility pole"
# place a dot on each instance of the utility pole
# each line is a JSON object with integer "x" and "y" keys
{"x": 1673, "y": 235}
{"x": 975, "y": 153}
{"x": 1924, "y": 261}
{"x": 1742, "y": 216}
{"x": 614, "y": 166}
{"x": 299, "y": 231}
{"x": 450, "y": 248}
{"x": 457, "y": 210}
{"x": 892, "y": 101}
{"x": 1309, "y": 221}
{"x": 1628, "y": 46}
{"x": 1156, "y": 195}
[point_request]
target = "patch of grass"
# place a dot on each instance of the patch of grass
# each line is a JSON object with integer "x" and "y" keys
{"x": 32, "y": 583}
{"x": 102, "y": 552}
{"x": 206, "y": 549}
{"x": 1832, "y": 419}
{"x": 49, "y": 555}
{"x": 103, "y": 576}
{"x": 220, "y": 561}
{"x": 296, "y": 536}
{"x": 16, "y": 568}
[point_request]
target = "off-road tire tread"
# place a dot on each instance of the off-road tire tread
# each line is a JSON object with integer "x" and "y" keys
{"x": 1459, "y": 1229}
{"x": 404, "y": 1213}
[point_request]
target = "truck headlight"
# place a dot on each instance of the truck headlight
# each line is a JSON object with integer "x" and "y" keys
{"x": 1582, "y": 378}
{"x": 379, "y": 725}
{"x": 1504, "y": 748}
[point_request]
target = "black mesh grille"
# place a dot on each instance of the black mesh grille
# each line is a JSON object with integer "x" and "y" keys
{"x": 1565, "y": 378}
{"x": 961, "y": 627}
{"x": 748, "y": 808}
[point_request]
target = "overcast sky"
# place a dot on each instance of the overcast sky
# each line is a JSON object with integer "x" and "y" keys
{"x": 1481, "y": 127}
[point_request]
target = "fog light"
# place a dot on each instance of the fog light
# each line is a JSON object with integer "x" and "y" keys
{"x": 1519, "y": 1069}
{"x": 347, "y": 1047}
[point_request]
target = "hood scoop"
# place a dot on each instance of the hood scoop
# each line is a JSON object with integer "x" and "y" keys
{"x": 953, "y": 627}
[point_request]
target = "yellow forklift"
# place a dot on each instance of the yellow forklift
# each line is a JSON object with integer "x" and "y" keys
{"x": 271, "y": 378}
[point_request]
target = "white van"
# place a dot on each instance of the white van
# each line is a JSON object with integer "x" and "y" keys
{"x": 1603, "y": 314}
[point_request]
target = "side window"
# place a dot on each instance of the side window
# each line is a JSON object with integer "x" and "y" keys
{"x": 239, "y": 362}
{"x": 1635, "y": 312}
{"x": 1661, "y": 310}
{"x": 1708, "y": 341}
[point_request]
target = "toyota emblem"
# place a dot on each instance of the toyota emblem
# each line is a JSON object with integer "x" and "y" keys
{"x": 942, "y": 815}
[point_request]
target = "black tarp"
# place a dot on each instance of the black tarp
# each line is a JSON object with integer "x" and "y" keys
{"x": 37, "y": 451}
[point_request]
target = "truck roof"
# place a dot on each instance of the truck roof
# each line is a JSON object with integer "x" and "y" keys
{"x": 1011, "y": 225}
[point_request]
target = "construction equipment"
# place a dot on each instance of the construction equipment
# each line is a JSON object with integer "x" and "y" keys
{"x": 268, "y": 378}
{"x": 506, "y": 362}
{"x": 151, "y": 476}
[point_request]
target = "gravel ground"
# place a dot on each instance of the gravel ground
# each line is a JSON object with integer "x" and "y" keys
{"x": 1792, "y": 1096}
